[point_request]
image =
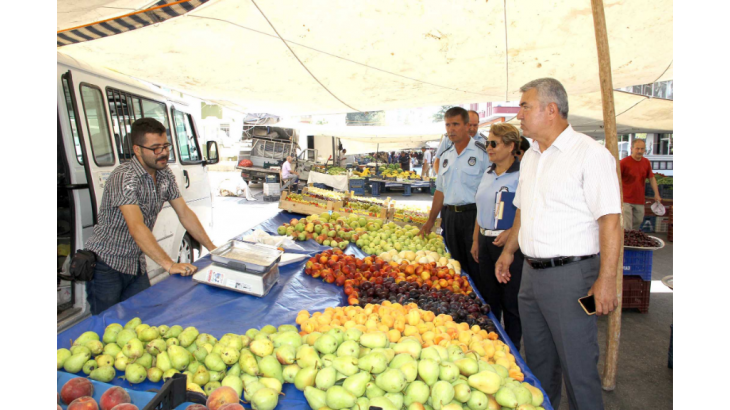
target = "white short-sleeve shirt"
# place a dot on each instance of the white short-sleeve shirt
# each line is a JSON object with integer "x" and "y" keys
{"x": 286, "y": 169}
{"x": 561, "y": 194}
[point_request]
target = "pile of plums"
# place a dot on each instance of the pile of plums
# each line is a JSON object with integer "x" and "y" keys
{"x": 639, "y": 239}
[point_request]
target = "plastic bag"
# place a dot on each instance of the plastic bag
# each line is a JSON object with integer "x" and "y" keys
{"x": 259, "y": 236}
{"x": 658, "y": 208}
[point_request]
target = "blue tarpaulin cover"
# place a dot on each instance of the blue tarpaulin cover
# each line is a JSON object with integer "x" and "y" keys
{"x": 181, "y": 301}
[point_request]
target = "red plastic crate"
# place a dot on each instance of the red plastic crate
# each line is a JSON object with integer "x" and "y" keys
{"x": 636, "y": 293}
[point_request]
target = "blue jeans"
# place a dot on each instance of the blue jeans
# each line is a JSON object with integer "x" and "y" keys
{"x": 110, "y": 287}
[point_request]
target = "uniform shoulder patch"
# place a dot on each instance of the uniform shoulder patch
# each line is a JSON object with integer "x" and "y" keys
{"x": 481, "y": 146}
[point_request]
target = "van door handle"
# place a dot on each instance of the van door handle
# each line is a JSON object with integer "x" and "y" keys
{"x": 187, "y": 179}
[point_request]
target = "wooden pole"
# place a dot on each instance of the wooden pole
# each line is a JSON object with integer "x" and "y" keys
{"x": 609, "y": 126}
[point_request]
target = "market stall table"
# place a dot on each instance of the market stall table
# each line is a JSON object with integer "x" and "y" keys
{"x": 179, "y": 300}
{"x": 339, "y": 182}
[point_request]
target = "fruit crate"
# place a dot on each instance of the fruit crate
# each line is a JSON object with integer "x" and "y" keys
{"x": 638, "y": 263}
{"x": 662, "y": 224}
{"x": 299, "y": 208}
{"x": 636, "y": 292}
{"x": 665, "y": 191}
{"x": 648, "y": 224}
{"x": 357, "y": 183}
{"x": 174, "y": 393}
{"x": 357, "y": 191}
{"x": 270, "y": 198}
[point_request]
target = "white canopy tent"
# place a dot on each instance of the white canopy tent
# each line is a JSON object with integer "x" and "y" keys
{"x": 339, "y": 56}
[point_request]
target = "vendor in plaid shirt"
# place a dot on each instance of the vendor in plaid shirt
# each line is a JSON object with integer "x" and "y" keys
{"x": 133, "y": 197}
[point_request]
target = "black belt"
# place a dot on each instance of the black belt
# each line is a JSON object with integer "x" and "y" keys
{"x": 461, "y": 208}
{"x": 555, "y": 262}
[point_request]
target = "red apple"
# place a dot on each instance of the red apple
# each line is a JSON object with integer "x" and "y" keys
{"x": 114, "y": 396}
{"x": 75, "y": 388}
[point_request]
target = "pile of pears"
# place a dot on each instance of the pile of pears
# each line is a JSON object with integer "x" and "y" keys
{"x": 355, "y": 370}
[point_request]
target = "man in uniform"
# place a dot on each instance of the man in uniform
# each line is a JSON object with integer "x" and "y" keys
{"x": 473, "y": 133}
{"x": 463, "y": 165}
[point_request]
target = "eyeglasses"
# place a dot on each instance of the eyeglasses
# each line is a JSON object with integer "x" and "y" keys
{"x": 157, "y": 150}
{"x": 492, "y": 144}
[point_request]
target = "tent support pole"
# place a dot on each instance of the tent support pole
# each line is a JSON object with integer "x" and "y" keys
{"x": 609, "y": 122}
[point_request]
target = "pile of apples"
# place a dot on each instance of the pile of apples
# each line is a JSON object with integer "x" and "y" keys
{"x": 402, "y": 357}
{"x": 333, "y": 266}
{"x": 324, "y": 230}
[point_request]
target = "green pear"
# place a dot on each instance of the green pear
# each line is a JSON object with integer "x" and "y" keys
{"x": 248, "y": 364}
{"x": 372, "y": 390}
{"x": 135, "y": 373}
{"x": 363, "y": 351}
{"x": 292, "y": 339}
{"x": 353, "y": 334}
{"x": 85, "y": 337}
{"x": 431, "y": 353}
{"x": 289, "y": 372}
{"x": 251, "y": 333}
{"x": 210, "y": 387}
{"x": 163, "y": 361}
{"x": 521, "y": 393}
{"x": 200, "y": 353}
{"x": 527, "y": 406}
{"x": 133, "y": 349}
{"x": 287, "y": 328}
{"x": 163, "y": 330}
{"x": 391, "y": 380}
{"x": 121, "y": 362}
{"x": 248, "y": 379}
{"x": 216, "y": 376}
{"x": 188, "y": 336}
{"x": 75, "y": 362}
{"x": 179, "y": 357}
{"x": 140, "y": 328}
{"x": 348, "y": 348}
{"x": 213, "y": 362}
{"x": 537, "y": 396}
{"x": 104, "y": 360}
{"x": 201, "y": 376}
{"x": 374, "y": 340}
{"x": 396, "y": 399}
{"x": 506, "y": 397}
{"x": 442, "y": 394}
{"x": 251, "y": 388}
{"x": 230, "y": 355}
{"x": 357, "y": 383}
{"x": 154, "y": 374}
{"x": 272, "y": 383}
{"x": 338, "y": 334}
{"x": 326, "y": 378}
{"x": 103, "y": 374}
{"x": 467, "y": 366}
{"x": 448, "y": 371}
{"x": 149, "y": 334}
{"x": 316, "y": 398}
{"x": 193, "y": 367}
{"x": 462, "y": 392}
{"x": 172, "y": 342}
{"x": 262, "y": 336}
{"x": 311, "y": 338}
{"x": 133, "y": 323}
{"x": 264, "y": 399}
{"x": 454, "y": 405}
{"x": 455, "y": 353}
{"x": 409, "y": 346}
{"x": 339, "y": 398}
{"x": 389, "y": 353}
{"x": 262, "y": 347}
{"x": 89, "y": 366}
{"x": 95, "y": 346}
{"x": 114, "y": 327}
{"x": 61, "y": 356}
{"x": 428, "y": 371}
{"x": 168, "y": 374}
{"x": 477, "y": 400}
{"x": 245, "y": 340}
{"x": 233, "y": 382}
{"x": 305, "y": 377}
{"x": 174, "y": 331}
{"x": 145, "y": 360}
{"x": 112, "y": 349}
{"x": 400, "y": 359}
{"x": 270, "y": 367}
{"x": 156, "y": 346}
{"x": 416, "y": 392}
{"x": 363, "y": 403}
{"x": 410, "y": 369}
{"x": 346, "y": 365}
{"x": 374, "y": 363}
{"x": 206, "y": 338}
{"x": 486, "y": 382}
{"x": 285, "y": 354}
{"x": 326, "y": 344}
{"x": 234, "y": 370}
{"x": 383, "y": 402}
{"x": 501, "y": 370}
{"x": 269, "y": 329}
{"x": 80, "y": 349}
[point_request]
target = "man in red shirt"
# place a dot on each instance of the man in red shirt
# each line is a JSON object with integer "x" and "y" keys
{"x": 635, "y": 169}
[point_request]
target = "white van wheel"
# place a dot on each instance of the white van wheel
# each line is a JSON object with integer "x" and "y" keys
{"x": 186, "y": 254}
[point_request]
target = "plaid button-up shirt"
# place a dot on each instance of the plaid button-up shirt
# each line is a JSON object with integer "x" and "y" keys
{"x": 129, "y": 184}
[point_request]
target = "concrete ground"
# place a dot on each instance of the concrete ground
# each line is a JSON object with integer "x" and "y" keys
{"x": 643, "y": 379}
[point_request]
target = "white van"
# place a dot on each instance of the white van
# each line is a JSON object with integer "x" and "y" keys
{"x": 96, "y": 110}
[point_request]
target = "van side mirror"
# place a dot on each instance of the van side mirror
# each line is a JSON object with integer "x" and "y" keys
{"x": 212, "y": 148}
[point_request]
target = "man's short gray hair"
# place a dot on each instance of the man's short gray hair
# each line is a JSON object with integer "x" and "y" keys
{"x": 635, "y": 140}
{"x": 549, "y": 90}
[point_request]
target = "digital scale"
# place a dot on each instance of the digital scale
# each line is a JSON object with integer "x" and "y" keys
{"x": 244, "y": 267}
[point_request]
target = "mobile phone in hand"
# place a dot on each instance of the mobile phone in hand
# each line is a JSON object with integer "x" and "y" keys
{"x": 588, "y": 303}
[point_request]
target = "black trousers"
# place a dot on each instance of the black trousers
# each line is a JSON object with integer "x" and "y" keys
{"x": 458, "y": 235}
{"x": 501, "y": 297}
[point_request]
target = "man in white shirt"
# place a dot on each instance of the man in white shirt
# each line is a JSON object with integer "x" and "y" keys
{"x": 426, "y": 169}
{"x": 569, "y": 208}
{"x": 287, "y": 173}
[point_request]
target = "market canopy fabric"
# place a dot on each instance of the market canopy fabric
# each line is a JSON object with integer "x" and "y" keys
{"x": 339, "y": 56}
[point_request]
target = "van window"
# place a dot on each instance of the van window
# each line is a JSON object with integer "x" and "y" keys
{"x": 101, "y": 146}
{"x": 126, "y": 108}
{"x": 72, "y": 120}
{"x": 186, "y": 138}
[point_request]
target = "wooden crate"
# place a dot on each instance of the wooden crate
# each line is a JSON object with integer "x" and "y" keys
{"x": 383, "y": 210}
{"x": 299, "y": 208}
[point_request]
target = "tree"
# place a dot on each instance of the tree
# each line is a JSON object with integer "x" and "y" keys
{"x": 365, "y": 118}
{"x": 439, "y": 116}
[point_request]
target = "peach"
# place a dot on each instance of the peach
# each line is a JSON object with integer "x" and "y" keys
{"x": 75, "y": 388}
{"x": 125, "y": 406}
{"x": 83, "y": 403}
{"x": 221, "y": 396}
{"x": 232, "y": 406}
{"x": 112, "y": 397}
{"x": 196, "y": 407}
